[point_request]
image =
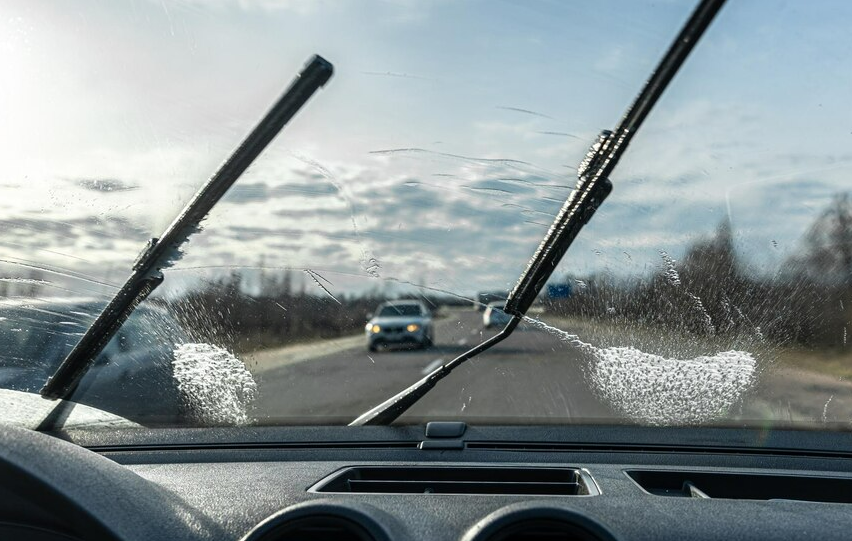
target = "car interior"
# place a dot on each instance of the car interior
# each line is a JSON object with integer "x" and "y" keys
{"x": 446, "y": 482}
{"x": 348, "y": 441}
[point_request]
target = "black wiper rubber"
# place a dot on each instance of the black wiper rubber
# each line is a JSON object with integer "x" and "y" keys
{"x": 592, "y": 188}
{"x": 163, "y": 252}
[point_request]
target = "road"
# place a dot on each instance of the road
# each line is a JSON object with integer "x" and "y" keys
{"x": 533, "y": 374}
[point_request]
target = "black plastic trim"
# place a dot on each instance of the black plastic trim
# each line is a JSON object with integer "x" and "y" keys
{"x": 461, "y": 479}
{"x": 441, "y": 445}
{"x": 254, "y": 445}
{"x": 743, "y": 485}
{"x": 507, "y": 517}
{"x": 445, "y": 429}
{"x": 359, "y": 514}
{"x": 539, "y": 447}
{"x": 767, "y": 442}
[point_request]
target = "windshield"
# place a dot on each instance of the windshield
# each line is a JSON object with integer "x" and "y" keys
{"x": 713, "y": 287}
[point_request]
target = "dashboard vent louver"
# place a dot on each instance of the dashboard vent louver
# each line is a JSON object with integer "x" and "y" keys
{"x": 743, "y": 486}
{"x": 318, "y": 528}
{"x": 542, "y": 530}
{"x": 459, "y": 480}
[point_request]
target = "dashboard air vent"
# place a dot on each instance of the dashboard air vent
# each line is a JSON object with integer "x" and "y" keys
{"x": 460, "y": 480}
{"x": 743, "y": 486}
{"x": 318, "y": 528}
{"x": 543, "y": 530}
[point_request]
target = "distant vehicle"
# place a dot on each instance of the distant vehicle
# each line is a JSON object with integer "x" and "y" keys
{"x": 132, "y": 377}
{"x": 486, "y": 297}
{"x": 494, "y": 316}
{"x": 400, "y": 322}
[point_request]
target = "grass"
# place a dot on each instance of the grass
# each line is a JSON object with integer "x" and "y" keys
{"x": 833, "y": 363}
{"x": 830, "y": 362}
{"x": 650, "y": 338}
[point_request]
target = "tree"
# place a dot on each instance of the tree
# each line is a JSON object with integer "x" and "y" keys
{"x": 826, "y": 255}
{"x": 713, "y": 260}
{"x": 819, "y": 277}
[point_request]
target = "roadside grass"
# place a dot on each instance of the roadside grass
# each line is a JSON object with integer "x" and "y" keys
{"x": 655, "y": 340}
{"x": 830, "y": 362}
{"x": 796, "y": 384}
{"x": 260, "y": 341}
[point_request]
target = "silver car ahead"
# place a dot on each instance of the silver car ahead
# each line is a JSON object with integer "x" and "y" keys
{"x": 400, "y": 322}
{"x": 494, "y": 316}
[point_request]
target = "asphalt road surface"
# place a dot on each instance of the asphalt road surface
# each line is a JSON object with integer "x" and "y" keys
{"x": 533, "y": 374}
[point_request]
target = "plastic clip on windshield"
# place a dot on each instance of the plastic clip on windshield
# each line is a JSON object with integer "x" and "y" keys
{"x": 592, "y": 188}
{"x": 164, "y": 251}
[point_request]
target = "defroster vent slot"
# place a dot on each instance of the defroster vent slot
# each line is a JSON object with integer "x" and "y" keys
{"x": 459, "y": 480}
{"x": 743, "y": 486}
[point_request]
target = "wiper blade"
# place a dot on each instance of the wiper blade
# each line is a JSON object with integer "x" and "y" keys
{"x": 592, "y": 188}
{"x": 163, "y": 252}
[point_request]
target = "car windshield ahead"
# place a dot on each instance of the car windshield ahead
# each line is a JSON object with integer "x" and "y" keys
{"x": 395, "y": 310}
{"x": 714, "y": 286}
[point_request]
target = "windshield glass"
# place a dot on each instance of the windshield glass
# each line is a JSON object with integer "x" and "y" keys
{"x": 713, "y": 286}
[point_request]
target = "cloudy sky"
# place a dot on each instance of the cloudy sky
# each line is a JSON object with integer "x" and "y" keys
{"x": 439, "y": 151}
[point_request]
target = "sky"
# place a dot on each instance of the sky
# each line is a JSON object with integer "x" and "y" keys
{"x": 439, "y": 151}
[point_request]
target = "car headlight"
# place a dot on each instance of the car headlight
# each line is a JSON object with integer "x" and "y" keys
{"x": 413, "y": 327}
{"x": 375, "y": 329}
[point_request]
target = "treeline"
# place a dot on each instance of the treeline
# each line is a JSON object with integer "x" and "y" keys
{"x": 224, "y": 311}
{"x": 709, "y": 292}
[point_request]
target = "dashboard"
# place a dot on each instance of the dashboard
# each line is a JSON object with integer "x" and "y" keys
{"x": 385, "y": 483}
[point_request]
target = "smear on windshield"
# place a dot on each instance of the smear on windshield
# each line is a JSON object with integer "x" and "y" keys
{"x": 658, "y": 390}
{"x": 216, "y": 386}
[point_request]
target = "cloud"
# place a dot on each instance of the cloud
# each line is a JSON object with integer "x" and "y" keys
{"x": 400, "y": 11}
{"x": 329, "y": 250}
{"x": 247, "y": 193}
{"x": 470, "y": 227}
{"x": 293, "y": 6}
{"x": 458, "y": 221}
{"x": 105, "y": 185}
{"x": 251, "y": 233}
{"x": 242, "y": 193}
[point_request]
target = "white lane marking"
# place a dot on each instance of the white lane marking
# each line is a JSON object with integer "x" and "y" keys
{"x": 432, "y": 366}
{"x": 461, "y": 342}
{"x": 475, "y": 331}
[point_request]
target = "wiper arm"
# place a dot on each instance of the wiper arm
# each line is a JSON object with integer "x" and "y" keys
{"x": 592, "y": 188}
{"x": 163, "y": 252}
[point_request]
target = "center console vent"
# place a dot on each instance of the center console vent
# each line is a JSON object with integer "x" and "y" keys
{"x": 506, "y": 480}
{"x": 318, "y": 528}
{"x": 542, "y": 530}
{"x": 534, "y": 521}
{"x": 743, "y": 486}
{"x": 320, "y": 520}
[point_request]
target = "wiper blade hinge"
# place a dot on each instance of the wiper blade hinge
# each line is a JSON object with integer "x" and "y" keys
{"x": 163, "y": 252}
